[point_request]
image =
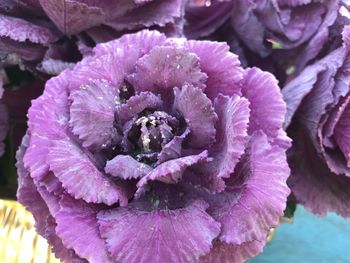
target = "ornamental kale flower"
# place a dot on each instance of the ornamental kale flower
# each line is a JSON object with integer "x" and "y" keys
{"x": 156, "y": 149}
{"x": 58, "y": 31}
{"x": 290, "y": 32}
{"x": 318, "y": 120}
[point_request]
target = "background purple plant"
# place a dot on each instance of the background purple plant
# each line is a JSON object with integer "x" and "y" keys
{"x": 318, "y": 120}
{"x": 279, "y": 36}
{"x": 48, "y": 35}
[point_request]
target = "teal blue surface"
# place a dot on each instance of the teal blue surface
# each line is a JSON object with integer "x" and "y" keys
{"x": 309, "y": 239}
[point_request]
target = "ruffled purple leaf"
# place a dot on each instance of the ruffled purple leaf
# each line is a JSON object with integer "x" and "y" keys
{"x": 198, "y": 111}
{"x": 258, "y": 87}
{"x": 172, "y": 149}
{"x": 78, "y": 229}
{"x": 259, "y": 180}
{"x": 48, "y": 116}
{"x": 28, "y": 195}
{"x": 233, "y": 114}
{"x": 92, "y": 114}
{"x": 126, "y": 167}
{"x": 166, "y": 67}
{"x": 170, "y": 172}
{"x": 223, "y": 68}
{"x": 179, "y": 235}
{"x": 80, "y": 177}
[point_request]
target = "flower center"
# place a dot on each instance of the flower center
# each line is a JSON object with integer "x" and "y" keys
{"x": 151, "y": 132}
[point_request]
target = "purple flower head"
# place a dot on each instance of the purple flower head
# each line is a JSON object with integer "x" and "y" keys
{"x": 48, "y": 35}
{"x": 318, "y": 119}
{"x": 289, "y": 32}
{"x": 156, "y": 149}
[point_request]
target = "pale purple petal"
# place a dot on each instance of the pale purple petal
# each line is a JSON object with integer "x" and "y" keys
{"x": 113, "y": 60}
{"x": 174, "y": 236}
{"x": 222, "y": 67}
{"x": 256, "y": 194}
{"x": 165, "y": 67}
{"x": 92, "y": 113}
{"x": 48, "y": 120}
{"x": 259, "y": 87}
{"x": 35, "y": 157}
{"x": 233, "y": 113}
{"x": 77, "y": 227}
{"x": 105, "y": 67}
{"x": 170, "y": 172}
{"x": 50, "y": 199}
{"x": 28, "y": 195}
{"x": 126, "y": 167}
{"x": 198, "y": 112}
{"x": 80, "y": 177}
{"x": 139, "y": 44}
{"x": 172, "y": 149}
{"x": 60, "y": 251}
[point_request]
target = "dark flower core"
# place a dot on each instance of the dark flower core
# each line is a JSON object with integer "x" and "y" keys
{"x": 150, "y": 133}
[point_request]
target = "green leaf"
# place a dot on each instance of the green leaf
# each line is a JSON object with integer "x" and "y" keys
{"x": 290, "y": 209}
